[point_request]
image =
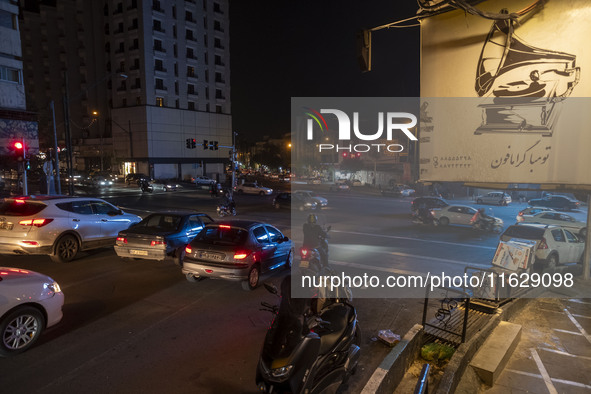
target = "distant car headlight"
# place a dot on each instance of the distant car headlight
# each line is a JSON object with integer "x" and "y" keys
{"x": 102, "y": 183}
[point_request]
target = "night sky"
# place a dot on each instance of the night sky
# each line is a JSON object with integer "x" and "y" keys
{"x": 284, "y": 49}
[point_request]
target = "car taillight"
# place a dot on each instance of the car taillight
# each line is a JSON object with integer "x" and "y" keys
{"x": 31, "y": 243}
{"x": 224, "y": 226}
{"x": 122, "y": 240}
{"x": 188, "y": 249}
{"x": 157, "y": 243}
{"x": 35, "y": 222}
{"x": 543, "y": 244}
{"x": 242, "y": 254}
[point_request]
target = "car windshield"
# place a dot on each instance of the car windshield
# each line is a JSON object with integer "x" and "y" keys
{"x": 225, "y": 235}
{"x": 20, "y": 208}
{"x": 161, "y": 222}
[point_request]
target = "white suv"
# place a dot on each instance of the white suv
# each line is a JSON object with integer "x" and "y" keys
{"x": 554, "y": 245}
{"x": 59, "y": 226}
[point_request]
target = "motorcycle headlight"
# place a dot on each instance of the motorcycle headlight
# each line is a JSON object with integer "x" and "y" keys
{"x": 281, "y": 373}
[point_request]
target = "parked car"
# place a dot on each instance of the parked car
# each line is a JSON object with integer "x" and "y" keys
{"x": 554, "y": 245}
{"x": 253, "y": 188}
{"x": 161, "y": 235}
{"x": 562, "y": 203}
{"x": 428, "y": 202}
{"x": 136, "y": 178}
{"x": 203, "y": 180}
{"x": 558, "y": 219}
{"x": 59, "y": 226}
{"x": 237, "y": 250}
{"x": 29, "y": 303}
{"x": 295, "y": 201}
{"x": 321, "y": 201}
{"x": 495, "y": 198}
{"x": 454, "y": 214}
{"x": 529, "y": 211}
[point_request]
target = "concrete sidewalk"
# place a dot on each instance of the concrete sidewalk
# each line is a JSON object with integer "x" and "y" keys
{"x": 553, "y": 355}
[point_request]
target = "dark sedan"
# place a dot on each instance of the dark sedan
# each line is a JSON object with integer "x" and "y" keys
{"x": 428, "y": 202}
{"x": 555, "y": 202}
{"x": 160, "y": 235}
{"x": 295, "y": 201}
{"x": 237, "y": 250}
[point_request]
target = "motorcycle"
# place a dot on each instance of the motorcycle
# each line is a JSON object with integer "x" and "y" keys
{"x": 312, "y": 344}
{"x": 315, "y": 255}
{"x": 489, "y": 224}
{"x": 425, "y": 218}
{"x": 226, "y": 210}
{"x": 146, "y": 187}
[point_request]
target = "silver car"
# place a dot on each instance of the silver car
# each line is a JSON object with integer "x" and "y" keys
{"x": 59, "y": 226}
{"x": 29, "y": 302}
{"x": 495, "y": 198}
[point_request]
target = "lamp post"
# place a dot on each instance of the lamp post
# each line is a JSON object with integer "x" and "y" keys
{"x": 66, "y": 99}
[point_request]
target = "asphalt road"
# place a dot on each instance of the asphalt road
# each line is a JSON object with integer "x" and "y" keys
{"x": 141, "y": 327}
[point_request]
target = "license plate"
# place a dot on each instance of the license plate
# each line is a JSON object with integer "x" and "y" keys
{"x": 304, "y": 264}
{"x": 212, "y": 256}
{"x": 139, "y": 252}
{"x": 5, "y": 226}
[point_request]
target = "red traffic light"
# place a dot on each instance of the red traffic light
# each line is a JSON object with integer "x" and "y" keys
{"x": 18, "y": 145}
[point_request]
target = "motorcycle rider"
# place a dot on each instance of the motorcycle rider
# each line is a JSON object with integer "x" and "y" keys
{"x": 424, "y": 214}
{"x": 315, "y": 237}
{"x": 228, "y": 203}
{"x": 482, "y": 219}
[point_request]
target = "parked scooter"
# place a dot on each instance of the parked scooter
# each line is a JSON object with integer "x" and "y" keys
{"x": 312, "y": 344}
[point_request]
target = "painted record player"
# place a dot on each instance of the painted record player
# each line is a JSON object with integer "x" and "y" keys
{"x": 524, "y": 86}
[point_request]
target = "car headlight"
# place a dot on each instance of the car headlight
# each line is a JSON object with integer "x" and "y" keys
{"x": 52, "y": 287}
{"x": 102, "y": 182}
{"x": 281, "y": 373}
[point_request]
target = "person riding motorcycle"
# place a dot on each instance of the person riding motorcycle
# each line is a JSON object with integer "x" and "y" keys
{"x": 315, "y": 237}
{"x": 482, "y": 219}
{"x": 228, "y": 203}
{"x": 424, "y": 214}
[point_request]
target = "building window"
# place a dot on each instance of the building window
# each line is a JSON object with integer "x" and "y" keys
{"x": 159, "y": 65}
{"x": 189, "y": 17}
{"x": 174, "y": 12}
{"x": 160, "y": 101}
{"x": 191, "y": 72}
{"x": 158, "y": 46}
{"x": 158, "y": 26}
{"x": 176, "y": 87}
{"x": 191, "y": 105}
{"x": 218, "y": 43}
{"x": 121, "y": 48}
{"x": 191, "y": 89}
{"x": 219, "y": 94}
{"x": 217, "y": 25}
{"x": 218, "y": 109}
{"x": 108, "y": 47}
{"x": 218, "y": 60}
{"x": 133, "y": 5}
{"x": 121, "y": 67}
{"x": 207, "y": 93}
{"x": 217, "y": 8}
{"x": 138, "y": 100}
{"x": 119, "y": 28}
{"x": 124, "y": 102}
{"x": 119, "y": 9}
{"x": 138, "y": 84}
{"x": 176, "y": 70}
{"x": 160, "y": 84}
{"x": 156, "y": 6}
{"x": 136, "y": 44}
{"x": 189, "y": 35}
{"x": 122, "y": 87}
{"x": 106, "y": 28}
{"x": 136, "y": 64}
{"x": 174, "y": 31}
{"x": 177, "y": 103}
{"x": 219, "y": 78}
{"x": 134, "y": 24}
{"x": 206, "y": 58}
{"x": 10, "y": 74}
{"x": 175, "y": 50}
{"x": 190, "y": 53}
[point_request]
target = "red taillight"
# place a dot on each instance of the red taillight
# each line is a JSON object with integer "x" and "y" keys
{"x": 543, "y": 244}
{"x": 19, "y": 201}
{"x": 157, "y": 243}
{"x": 35, "y": 222}
{"x": 225, "y": 226}
{"x": 241, "y": 255}
{"x": 31, "y": 243}
{"x": 122, "y": 239}
{"x": 188, "y": 249}
{"x": 304, "y": 253}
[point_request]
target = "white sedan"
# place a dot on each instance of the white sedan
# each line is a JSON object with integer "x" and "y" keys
{"x": 29, "y": 302}
{"x": 454, "y": 214}
{"x": 558, "y": 219}
{"x": 203, "y": 180}
{"x": 253, "y": 188}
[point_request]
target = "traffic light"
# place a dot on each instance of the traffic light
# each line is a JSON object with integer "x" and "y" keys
{"x": 18, "y": 150}
{"x": 188, "y": 143}
{"x": 215, "y": 145}
{"x": 193, "y": 143}
{"x": 205, "y": 145}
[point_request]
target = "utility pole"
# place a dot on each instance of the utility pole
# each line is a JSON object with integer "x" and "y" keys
{"x": 587, "y": 253}
{"x": 56, "y": 160}
{"x": 25, "y": 161}
{"x": 68, "y": 137}
{"x": 233, "y": 164}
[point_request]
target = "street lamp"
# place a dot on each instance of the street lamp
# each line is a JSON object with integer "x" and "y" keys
{"x": 66, "y": 99}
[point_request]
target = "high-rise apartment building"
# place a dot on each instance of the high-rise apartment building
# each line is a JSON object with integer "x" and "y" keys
{"x": 143, "y": 78}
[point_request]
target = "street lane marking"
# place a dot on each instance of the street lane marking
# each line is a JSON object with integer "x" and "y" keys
{"x": 416, "y": 239}
{"x": 579, "y": 301}
{"x": 543, "y": 372}
{"x": 567, "y": 332}
{"x": 463, "y": 263}
{"x": 565, "y": 353}
{"x": 562, "y": 381}
{"x": 576, "y": 323}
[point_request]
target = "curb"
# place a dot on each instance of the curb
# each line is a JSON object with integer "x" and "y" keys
{"x": 392, "y": 369}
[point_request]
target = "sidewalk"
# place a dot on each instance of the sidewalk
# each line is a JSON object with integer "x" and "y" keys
{"x": 553, "y": 354}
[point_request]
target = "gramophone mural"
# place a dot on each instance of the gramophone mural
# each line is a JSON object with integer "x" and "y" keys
{"x": 525, "y": 85}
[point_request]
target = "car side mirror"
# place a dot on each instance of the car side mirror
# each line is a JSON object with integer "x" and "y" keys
{"x": 285, "y": 239}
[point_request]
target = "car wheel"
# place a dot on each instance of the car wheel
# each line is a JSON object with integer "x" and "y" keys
{"x": 253, "y": 279}
{"x": 479, "y": 201}
{"x": 289, "y": 261}
{"x": 552, "y": 262}
{"x": 179, "y": 256}
{"x": 583, "y": 232}
{"x": 443, "y": 221}
{"x": 261, "y": 193}
{"x": 20, "y": 330}
{"x": 66, "y": 249}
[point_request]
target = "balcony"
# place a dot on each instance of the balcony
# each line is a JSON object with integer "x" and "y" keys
{"x": 159, "y": 29}
{"x": 159, "y": 49}
{"x": 161, "y": 87}
{"x": 160, "y": 69}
